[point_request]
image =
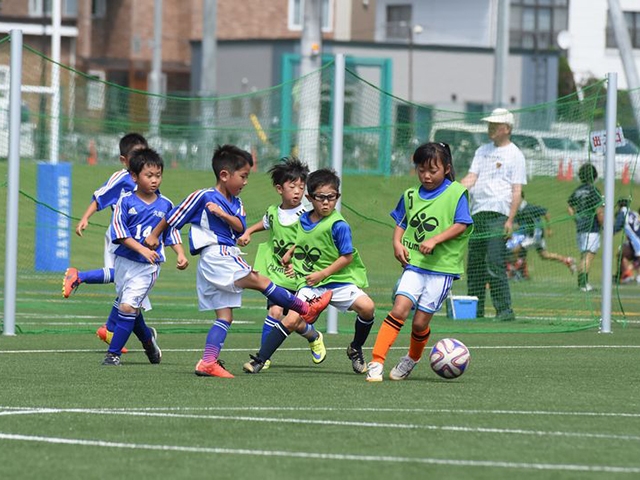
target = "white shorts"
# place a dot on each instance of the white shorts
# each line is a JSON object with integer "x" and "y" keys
{"x": 109, "y": 250}
{"x": 219, "y": 267}
{"x": 427, "y": 291}
{"x": 134, "y": 280}
{"x": 342, "y": 299}
{"x": 588, "y": 242}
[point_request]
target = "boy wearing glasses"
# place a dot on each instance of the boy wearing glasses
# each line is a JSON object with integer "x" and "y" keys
{"x": 323, "y": 259}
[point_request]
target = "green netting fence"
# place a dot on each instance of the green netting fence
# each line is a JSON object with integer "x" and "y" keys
{"x": 380, "y": 133}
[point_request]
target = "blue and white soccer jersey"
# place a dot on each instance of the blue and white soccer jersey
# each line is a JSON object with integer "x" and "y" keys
{"x": 519, "y": 239}
{"x": 136, "y": 219}
{"x": 427, "y": 292}
{"x": 220, "y": 264}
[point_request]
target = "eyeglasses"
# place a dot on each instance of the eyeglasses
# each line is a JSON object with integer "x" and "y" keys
{"x": 321, "y": 197}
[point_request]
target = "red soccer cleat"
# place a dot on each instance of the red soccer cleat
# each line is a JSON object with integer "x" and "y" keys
{"x": 317, "y": 306}
{"x": 105, "y": 335}
{"x": 70, "y": 282}
{"x": 212, "y": 369}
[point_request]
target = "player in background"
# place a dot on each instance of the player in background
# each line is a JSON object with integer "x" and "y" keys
{"x": 534, "y": 223}
{"x": 136, "y": 266}
{"x": 585, "y": 205}
{"x": 324, "y": 260}
{"x": 433, "y": 225}
{"x": 218, "y": 219}
{"x": 289, "y": 178}
{"x": 628, "y": 262}
{"x": 106, "y": 196}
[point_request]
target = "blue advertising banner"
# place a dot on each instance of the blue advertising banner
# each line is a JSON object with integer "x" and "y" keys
{"x": 53, "y": 225}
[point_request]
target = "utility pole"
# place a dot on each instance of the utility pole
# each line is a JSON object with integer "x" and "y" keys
{"x": 309, "y": 86}
{"x": 623, "y": 41}
{"x": 502, "y": 54}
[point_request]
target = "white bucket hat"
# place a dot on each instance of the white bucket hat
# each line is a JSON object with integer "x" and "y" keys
{"x": 500, "y": 115}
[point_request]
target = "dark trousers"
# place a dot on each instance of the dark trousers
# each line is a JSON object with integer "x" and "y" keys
{"x": 487, "y": 262}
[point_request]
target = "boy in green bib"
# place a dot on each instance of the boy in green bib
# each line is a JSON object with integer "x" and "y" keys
{"x": 324, "y": 259}
{"x": 289, "y": 178}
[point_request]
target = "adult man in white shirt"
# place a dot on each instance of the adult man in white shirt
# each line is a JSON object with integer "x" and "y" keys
{"x": 494, "y": 181}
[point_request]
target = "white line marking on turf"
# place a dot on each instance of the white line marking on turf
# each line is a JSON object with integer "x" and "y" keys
{"x": 324, "y": 456}
{"x": 306, "y": 421}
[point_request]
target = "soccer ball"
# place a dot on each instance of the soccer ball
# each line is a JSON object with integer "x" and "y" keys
{"x": 449, "y": 358}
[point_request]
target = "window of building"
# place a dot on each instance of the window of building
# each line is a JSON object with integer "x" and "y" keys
{"x": 42, "y": 8}
{"x": 296, "y": 15}
{"x": 398, "y": 22}
{"x": 535, "y": 24}
{"x": 632, "y": 19}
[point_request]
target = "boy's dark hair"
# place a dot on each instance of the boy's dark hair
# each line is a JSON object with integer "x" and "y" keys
{"x": 288, "y": 169}
{"x": 322, "y": 177}
{"x": 428, "y": 153}
{"x": 587, "y": 173}
{"x": 130, "y": 141}
{"x": 142, "y": 157}
{"x": 229, "y": 158}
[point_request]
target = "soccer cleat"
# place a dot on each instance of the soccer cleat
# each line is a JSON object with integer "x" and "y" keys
{"x": 403, "y": 369}
{"x": 254, "y": 365}
{"x": 570, "y": 262}
{"x": 70, "y": 282}
{"x": 316, "y": 306}
{"x": 105, "y": 335}
{"x": 111, "y": 359}
{"x": 151, "y": 348}
{"x": 318, "y": 351}
{"x": 212, "y": 369}
{"x": 374, "y": 372}
{"x": 267, "y": 365}
{"x": 357, "y": 359}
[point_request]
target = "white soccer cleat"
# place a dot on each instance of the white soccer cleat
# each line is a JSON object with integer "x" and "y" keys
{"x": 403, "y": 369}
{"x": 374, "y": 372}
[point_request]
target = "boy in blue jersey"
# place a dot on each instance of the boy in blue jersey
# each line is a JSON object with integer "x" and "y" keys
{"x": 323, "y": 259}
{"x": 106, "y": 196}
{"x": 289, "y": 178}
{"x": 136, "y": 266}
{"x": 218, "y": 219}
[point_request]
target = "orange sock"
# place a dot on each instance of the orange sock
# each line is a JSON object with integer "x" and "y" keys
{"x": 418, "y": 342}
{"x": 386, "y": 337}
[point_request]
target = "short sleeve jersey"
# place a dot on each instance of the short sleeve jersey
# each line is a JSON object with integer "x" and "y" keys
{"x": 584, "y": 201}
{"x": 110, "y": 192}
{"x": 498, "y": 169}
{"x": 134, "y": 218}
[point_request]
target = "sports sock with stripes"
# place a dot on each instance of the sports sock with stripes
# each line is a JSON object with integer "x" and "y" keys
{"x": 309, "y": 332}
{"x": 215, "y": 340}
{"x": 418, "y": 342}
{"x": 284, "y": 298}
{"x": 113, "y": 316}
{"x": 267, "y": 326}
{"x": 122, "y": 331}
{"x": 386, "y": 337}
{"x": 362, "y": 327}
{"x": 276, "y": 337}
{"x": 101, "y": 275}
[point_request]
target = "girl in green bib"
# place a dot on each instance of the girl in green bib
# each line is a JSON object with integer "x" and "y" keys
{"x": 289, "y": 178}
{"x": 433, "y": 224}
{"x": 324, "y": 259}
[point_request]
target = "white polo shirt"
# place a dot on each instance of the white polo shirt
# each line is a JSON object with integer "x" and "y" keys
{"x": 498, "y": 169}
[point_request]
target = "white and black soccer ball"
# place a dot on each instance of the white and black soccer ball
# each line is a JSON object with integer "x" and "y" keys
{"x": 449, "y": 358}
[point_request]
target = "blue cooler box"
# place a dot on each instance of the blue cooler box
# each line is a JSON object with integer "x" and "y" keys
{"x": 461, "y": 307}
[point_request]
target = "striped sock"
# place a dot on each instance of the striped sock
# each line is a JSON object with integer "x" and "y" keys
{"x": 122, "y": 332}
{"x": 310, "y": 333}
{"x": 284, "y": 298}
{"x": 418, "y": 342}
{"x": 387, "y": 335}
{"x": 113, "y": 316}
{"x": 276, "y": 337}
{"x": 101, "y": 275}
{"x": 215, "y": 340}
{"x": 267, "y": 326}
{"x": 363, "y": 327}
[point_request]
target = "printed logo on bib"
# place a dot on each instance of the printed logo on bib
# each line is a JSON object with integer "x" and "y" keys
{"x": 423, "y": 225}
{"x": 308, "y": 256}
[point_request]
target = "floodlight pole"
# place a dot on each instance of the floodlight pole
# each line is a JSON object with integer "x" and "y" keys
{"x": 609, "y": 189}
{"x": 336, "y": 151}
{"x": 13, "y": 186}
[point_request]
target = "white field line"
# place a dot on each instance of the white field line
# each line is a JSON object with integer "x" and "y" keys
{"x": 340, "y": 423}
{"x": 324, "y": 456}
{"x": 305, "y": 349}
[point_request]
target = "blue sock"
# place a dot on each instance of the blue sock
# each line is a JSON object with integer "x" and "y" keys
{"x": 102, "y": 275}
{"x": 141, "y": 330}
{"x": 122, "y": 332}
{"x": 309, "y": 333}
{"x": 113, "y": 316}
{"x": 268, "y": 324}
{"x": 284, "y": 298}
{"x": 215, "y": 340}
{"x": 276, "y": 337}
